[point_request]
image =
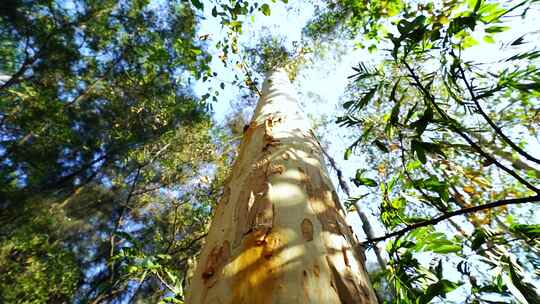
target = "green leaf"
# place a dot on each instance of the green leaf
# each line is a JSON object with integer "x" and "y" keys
{"x": 359, "y": 180}
{"x": 265, "y": 8}
{"x": 379, "y": 144}
{"x": 496, "y": 29}
{"x": 348, "y": 153}
{"x": 519, "y": 41}
{"x": 214, "y": 12}
{"x": 419, "y": 150}
{"x": 348, "y": 104}
{"x": 411, "y": 165}
{"x": 460, "y": 23}
{"x": 365, "y": 99}
{"x": 531, "y": 231}
{"x": 364, "y": 181}
{"x": 198, "y": 4}
{"x": 489, "y": 39}
{"x": 521, "y": 289}
{"x": 421, "y": 124}
{"x": 394, "y": 115}
{"x": 468, "y": 42}
{"x": 446, "y": 248}
{"x": 440, "y": 288}
{"x": 479, "y": 238}
{"x": 477, "y": 5}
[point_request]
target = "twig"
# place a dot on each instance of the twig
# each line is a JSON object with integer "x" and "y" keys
{"x": 250, "y": 79}
{"x": 193, "y": 241}
{"x": 123, "y": 208}
{"x": 174, "y": 290}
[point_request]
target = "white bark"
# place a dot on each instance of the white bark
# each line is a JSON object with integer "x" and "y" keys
{"x": 279, "y": 234}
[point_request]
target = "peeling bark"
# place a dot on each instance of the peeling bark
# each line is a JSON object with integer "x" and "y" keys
{"x": 307, "y": 229}
{"x": 279, "y": 235}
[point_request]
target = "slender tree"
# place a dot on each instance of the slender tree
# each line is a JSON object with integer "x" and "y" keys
{"x": 279, "y": 234}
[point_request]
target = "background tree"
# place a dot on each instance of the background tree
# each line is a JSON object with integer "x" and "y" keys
{"x": 101, "y": 141}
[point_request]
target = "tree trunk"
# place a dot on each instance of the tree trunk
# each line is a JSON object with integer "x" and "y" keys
{"x": 278, "y": 233}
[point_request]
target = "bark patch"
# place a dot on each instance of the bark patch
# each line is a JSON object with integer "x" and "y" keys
{"x": 269, "y": 140}
{"x": 345, "y": 257}
{"x": 218, "y": 257}
{"x": 257, "y": 280}
{"x": 307, "y": 229}
{"x": 346, "y": 285}
{"x": 275, "y": 169}
{"x": 254, "y": 211}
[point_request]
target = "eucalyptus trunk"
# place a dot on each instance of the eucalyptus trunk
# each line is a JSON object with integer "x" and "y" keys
{"x": 279, "y": 234}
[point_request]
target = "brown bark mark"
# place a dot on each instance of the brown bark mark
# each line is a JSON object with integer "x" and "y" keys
{"x": 316, "y": 270}
{"x": 257, "y": 281}
{"x": 251, "y": 141}
{"x": 285, "y": 156}
{"x": 272, "y": 244}
{"x": 307, "y": 229}
{"x": 275, "y": 169}
{"x": 325, "y": 203}
{"x": 262, "y": 218}
{"x": 303, "y": 176}
{"x": 345, "y": 257}
{"x": 253, "y": 210}
{"x": 320, "y": 204}
{"x": 269, "y": 140}
{"x": 218, "y": 257}
{"x": 346, "y": 286}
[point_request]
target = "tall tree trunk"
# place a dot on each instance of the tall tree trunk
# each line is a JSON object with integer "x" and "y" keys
{"x": 278, "y": 233}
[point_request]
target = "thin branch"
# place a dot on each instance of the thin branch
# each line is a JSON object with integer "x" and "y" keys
{"x": 171, "y": 288}
{"x": 123, "y": 209}
{"x": 419, "y": 189}
{"x": 517, "y": 163}
{"x": 250, "y": 79}
{"x": 440, "y": 218}
{"x": 463, "y": 135}
{"x": 191, "y": 243}
{"x": 498, "y": 130}
{"x": 173, "y": 234}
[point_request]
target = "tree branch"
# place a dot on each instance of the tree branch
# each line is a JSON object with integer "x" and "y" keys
{"x": 440, "y": 218}
{"x": 498, "y": 130}
{"x": 463, "y": 135}
{"x": 419, "y": 189}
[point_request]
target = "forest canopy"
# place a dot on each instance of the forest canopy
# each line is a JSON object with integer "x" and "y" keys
{"x": 119, "y": 122}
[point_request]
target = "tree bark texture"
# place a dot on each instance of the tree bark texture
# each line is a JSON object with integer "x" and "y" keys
{"x": 279, "y": 234}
